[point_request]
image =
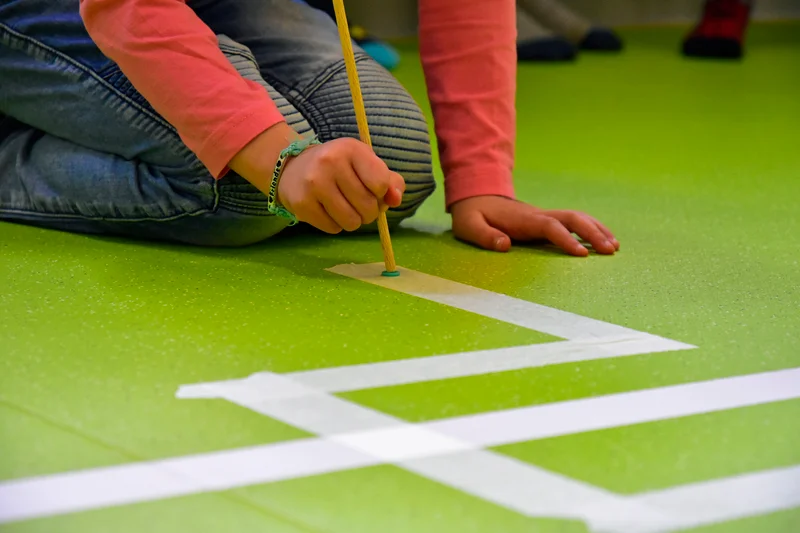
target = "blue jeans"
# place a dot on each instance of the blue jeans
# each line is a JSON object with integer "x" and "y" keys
{"x": 81, "y": 150}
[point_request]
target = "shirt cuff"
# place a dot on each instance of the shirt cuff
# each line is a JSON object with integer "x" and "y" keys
{"x": 234, "y": 134}
{"x": 485, "y": 180}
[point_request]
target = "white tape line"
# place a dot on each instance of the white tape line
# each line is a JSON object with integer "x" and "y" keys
{"x": 138, "y": 482}
{"x": 323, "y": 414}
{"x": 530, "y": 490}
{"x": 156, "y": 480}
{"x": 392, "y": 440}
{"x": 722, "y": 500}
{"x": 615, "y": 410}
{"x": 442, "y": 448}
{"x": 404, "y": 371}
{"x": 486, "y": 303}
{"x": 615, "y": 341}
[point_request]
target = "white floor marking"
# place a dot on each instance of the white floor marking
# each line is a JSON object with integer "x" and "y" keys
{"x": 404, "y": 371}
{"x": 84, "y": 490}
{"x": 486, "y": 303}
{"x": 531, "y": 490}
{"x": 355, "y": 436}
{"x": 448, "y": 451}
{"x": 589, "y": 339}
{"x": 623, "y": 409}
{"x": 726, "y": 499}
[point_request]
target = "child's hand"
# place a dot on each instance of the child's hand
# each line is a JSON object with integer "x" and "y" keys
{"x": 338, "y": 185}
{"x": 492, "y": 222}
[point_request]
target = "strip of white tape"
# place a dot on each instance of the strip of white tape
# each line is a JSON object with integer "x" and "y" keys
{"x": 422, "y": 369}
{"x": 593, "y": 339}
{"x": 404, "y": 371}
{"x": 72, "y": 492}
{"x": 531, "y": 490}
{"x": 486, "y": 303}
{"x": 354, "y": 436}
{"x": 722, "y": 500}
{"x": 365, "y": 437}
{"x": 623, "y": 409}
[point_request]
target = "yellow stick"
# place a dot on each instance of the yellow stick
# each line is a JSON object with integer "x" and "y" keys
{"x": 361, "y": 120}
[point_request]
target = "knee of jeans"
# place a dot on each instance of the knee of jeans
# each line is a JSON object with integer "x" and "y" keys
{"x": 400, "y": 135}
{"x": 222, "y": 228}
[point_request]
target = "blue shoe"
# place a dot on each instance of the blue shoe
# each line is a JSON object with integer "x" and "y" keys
{"x": 380, "y": 51}
{"x": 546, "y": 49}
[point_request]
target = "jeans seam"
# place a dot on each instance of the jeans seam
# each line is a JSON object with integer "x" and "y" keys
{"x": 302, "y": 99}
{"x": 30, "y": 41}
{"x": 73, "y": 216}
{"x": 193, "y": 165}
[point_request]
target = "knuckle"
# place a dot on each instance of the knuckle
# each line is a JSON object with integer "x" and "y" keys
{"x": 328, "y": 158}
{"x": 303, "y": 205}
{"x": 316, "y": 184}
{"x": 368, "y": 217}
{"x": 350, "y": 142}
{"x": 551, "y": 224}
{"x": 353, "y": 223}
{"x": 332, "y": 228}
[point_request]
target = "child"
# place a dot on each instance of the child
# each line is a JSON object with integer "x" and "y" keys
{"x": 166, "y": 118}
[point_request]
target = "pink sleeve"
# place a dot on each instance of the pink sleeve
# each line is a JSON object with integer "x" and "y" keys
{"x": 468, "y": 50}
{"x": 174, "y": 61}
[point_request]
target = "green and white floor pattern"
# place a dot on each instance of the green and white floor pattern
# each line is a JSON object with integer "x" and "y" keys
{"x": 289, "y": 388}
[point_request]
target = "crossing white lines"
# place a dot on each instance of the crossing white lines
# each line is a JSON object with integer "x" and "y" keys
{"x": 450, "y": 451}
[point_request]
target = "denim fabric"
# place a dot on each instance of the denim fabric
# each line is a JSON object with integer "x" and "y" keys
{"x": 81, "y": 150}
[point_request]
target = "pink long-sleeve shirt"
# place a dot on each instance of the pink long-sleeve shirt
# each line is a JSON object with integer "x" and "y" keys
{"x": 468, "y": 53}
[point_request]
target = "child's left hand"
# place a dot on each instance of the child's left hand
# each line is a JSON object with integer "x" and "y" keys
{"x": 492, "y": 222}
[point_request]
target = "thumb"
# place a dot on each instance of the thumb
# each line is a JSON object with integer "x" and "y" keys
{"x": 394, "y": 195}
{"x": 473, "y": 227}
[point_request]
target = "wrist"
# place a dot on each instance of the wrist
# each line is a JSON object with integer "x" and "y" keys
{"x": 256, "y": 161}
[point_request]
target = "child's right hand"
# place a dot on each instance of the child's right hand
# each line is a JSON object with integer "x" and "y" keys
{"x": 339, "y": 185}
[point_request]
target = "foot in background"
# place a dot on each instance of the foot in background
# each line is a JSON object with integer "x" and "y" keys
{"x": 536, "y": 43}
{"x": 601, "y": 40}
{"x": 380, "y": 51}
{"x": 721, "y": 31}
{"x": 383, "y": 53}
{"x": 573, "y": 27}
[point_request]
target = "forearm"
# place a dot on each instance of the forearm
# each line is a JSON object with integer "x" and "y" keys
{"x": 468, "y": 50}
{"x": 174, "y": 61}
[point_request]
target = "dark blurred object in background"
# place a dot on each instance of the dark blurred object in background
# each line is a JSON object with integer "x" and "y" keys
{"x": 550, "y": 31}
{"x": 721, "y": 31}
{"x": 380, "y": 51}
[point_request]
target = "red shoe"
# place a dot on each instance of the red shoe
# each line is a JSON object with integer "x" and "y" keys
{"x": 720, "y": 34}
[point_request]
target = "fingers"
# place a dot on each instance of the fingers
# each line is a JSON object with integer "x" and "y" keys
{"x": 340, "y": 210}
{"x": 397, "y": 186}
{"x": 526, "y": 223}
{"x": 339, "y": 185}
{"x": 359, "y": 197}
{"x": 555, "y": 232}
{"x": 317, "y": 216}
{"x": 375, "y": 175}
{"x": 474, "y": 228}
{"x": 607, "y": 232}
{"x": 586, "y": 228}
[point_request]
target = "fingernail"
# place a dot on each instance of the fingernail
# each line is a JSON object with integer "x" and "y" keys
{"x": 398, "y": 191}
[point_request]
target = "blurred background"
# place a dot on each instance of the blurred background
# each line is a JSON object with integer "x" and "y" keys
{"x": 397, "y": 18}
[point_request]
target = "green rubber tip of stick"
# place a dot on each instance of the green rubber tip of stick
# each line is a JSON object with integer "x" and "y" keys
{"x": 388, "y": 274}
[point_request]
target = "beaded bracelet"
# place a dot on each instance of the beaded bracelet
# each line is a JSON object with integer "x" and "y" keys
{"x": 294, "y": 149}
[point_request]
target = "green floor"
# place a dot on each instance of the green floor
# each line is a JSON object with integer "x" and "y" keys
{"x": 696, "y": 167}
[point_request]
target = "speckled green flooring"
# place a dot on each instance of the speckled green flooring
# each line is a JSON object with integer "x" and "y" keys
{"x": 694, "y": 164}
